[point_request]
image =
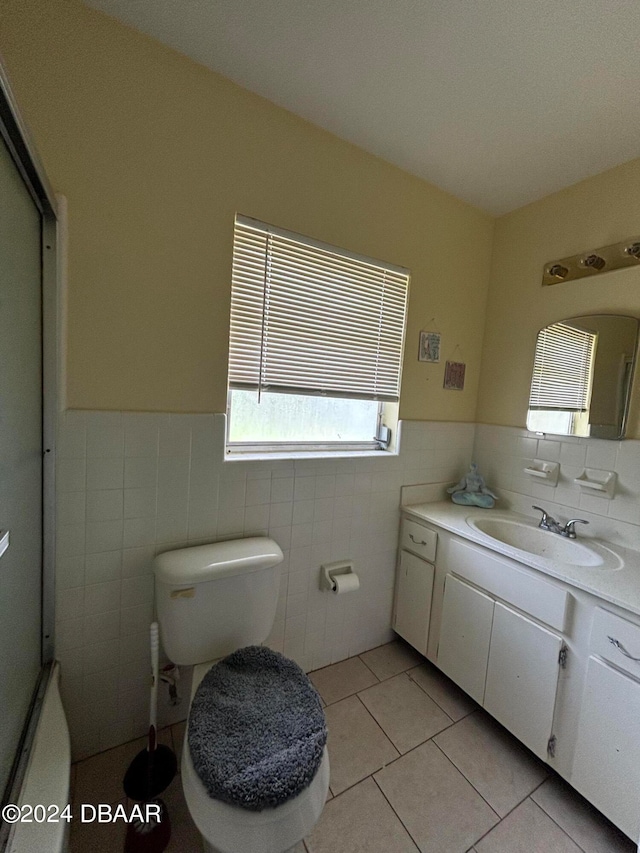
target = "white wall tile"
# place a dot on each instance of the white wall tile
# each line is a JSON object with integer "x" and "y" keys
{"x": 105, "y": 434}
{"x": 71, "y": 439}
{"x": 105, "y": 473}
{"x": 137, "y": 561}
{"x": 70, "y": 540}
{"x": 282, "y": 489}
{"x": 100, "y": 655}
{"x": 141, "y": 472}
{"x": 140, "y": 503}
{"x": 103, "y": 536}
{"x": 230, "y": 520}
{"x": 172, "y": 529}
{"x": 69, "y": 603}
{"x": 141, "y": 434}
{"x": 232, "y": 492}
{"x": 256, "y": 520}
{"x": 71, "y": 508}
{"x": 103, "y": 624}
{"x": 71, "y": 475}
{"x": 203, "y": 437}
{"x": 137, "y": 590}
{"x": 203, "y": 521}
{"x": 170, "y": 470}
{"x": 304, "y": 488}
{"x": 103, "y": 567}
{"x": 258, "y": 492}
{"x": 138, "y": 532}
{"x": 174, "y": 435}
{"x": 104, "y": 505}
{"x": 134, "y": 620}
{"x": 101, "y": 597}
{"x": 70, "y": 572}
{"x": 601, "y": 454}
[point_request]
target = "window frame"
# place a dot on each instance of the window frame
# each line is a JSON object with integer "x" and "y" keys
{"x": 238, "y": 449}
{"x": 390, "y": 284}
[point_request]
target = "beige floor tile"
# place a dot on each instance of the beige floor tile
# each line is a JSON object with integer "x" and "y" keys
{"x": 342, "y": 679}
{"x": 99, "y": 778}
{"x": 391, "y": 659}
{"x": 527, "y": 830}
{"x": 405, "y": 713}
{"x": 360, "y": 820}
{"x": 437, "y": 805}
{"x": 502, "y": 770}
{"x": 579, "y": 819}
{"x": 94, "y": 837}
{"x": 442, "y": 690}
{"x": 357, "y": 745}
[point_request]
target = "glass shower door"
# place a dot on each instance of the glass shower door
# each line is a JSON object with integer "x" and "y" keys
{"x": 20, "y": 455}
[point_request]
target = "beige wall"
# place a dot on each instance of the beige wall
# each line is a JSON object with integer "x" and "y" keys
{"x": 155, "y": 155}
{"x": 596, "y": 212}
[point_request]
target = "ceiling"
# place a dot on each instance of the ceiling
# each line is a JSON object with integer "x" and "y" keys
{"x": 499, "y": 102}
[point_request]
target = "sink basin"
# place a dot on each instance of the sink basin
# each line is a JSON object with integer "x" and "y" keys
{"x": 525, "y": 536}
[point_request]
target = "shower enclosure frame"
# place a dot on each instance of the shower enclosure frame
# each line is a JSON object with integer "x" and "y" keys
{"x": 18, "y": 140}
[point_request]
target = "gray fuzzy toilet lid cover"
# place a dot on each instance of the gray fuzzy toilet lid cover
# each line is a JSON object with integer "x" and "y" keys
{"x": 256, "y": 729}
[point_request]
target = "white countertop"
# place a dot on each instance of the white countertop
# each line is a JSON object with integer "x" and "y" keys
{"x": 619, "y": 586}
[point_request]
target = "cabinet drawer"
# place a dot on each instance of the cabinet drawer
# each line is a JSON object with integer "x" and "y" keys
{"x": 539, "y": 598}
{"x": 626, "y": 635}
{"x": 419, "y": 540}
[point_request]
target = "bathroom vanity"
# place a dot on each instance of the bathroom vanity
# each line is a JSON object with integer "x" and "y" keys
{"x": 542, "y": 631}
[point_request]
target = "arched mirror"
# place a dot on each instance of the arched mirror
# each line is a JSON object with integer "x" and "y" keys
{"x": 582, "y": 375}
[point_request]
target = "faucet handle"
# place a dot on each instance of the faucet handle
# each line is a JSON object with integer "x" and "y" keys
{"x": 569, "y": 528}
{"x": 546, "y": 518}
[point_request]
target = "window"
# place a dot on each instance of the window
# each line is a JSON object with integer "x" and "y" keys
{"x": 562, "y": 379}
{"x": 315, "y": 344}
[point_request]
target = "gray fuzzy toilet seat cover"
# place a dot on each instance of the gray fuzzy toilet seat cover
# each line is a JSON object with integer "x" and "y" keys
{"x": 256, "y": 729}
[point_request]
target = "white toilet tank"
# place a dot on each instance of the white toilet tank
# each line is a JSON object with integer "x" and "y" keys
{"x": 214, "y": 599}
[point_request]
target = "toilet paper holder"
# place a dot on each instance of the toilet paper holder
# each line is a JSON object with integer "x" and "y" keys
{"x": 329, "y": 571}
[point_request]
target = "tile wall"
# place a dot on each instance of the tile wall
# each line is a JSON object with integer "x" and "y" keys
{"x": 502, "y": 453}
{"x": 130, "y": 485}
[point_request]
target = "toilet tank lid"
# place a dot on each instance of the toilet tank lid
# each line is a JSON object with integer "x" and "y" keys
{"x": 219, "y": 560}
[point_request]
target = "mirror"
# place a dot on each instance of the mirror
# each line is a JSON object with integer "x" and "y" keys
{"x": 582, "y": 376}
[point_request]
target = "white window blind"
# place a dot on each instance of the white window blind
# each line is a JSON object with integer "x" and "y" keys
{"x": 307, "y": 318}
{"x": 562, "y": 368}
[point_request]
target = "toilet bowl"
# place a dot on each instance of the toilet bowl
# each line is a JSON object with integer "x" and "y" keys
{"x": 212, "y": 600}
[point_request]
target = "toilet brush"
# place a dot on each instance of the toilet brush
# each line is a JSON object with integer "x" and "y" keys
{"x": 152, "y": 770}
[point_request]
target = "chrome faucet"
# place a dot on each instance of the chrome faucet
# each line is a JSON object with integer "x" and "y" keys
{"x": 547, "y": 522}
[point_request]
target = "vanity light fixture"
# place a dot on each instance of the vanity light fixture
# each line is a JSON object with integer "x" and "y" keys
{"x": 558, "y": 271}
{"x": 593, "y": 262}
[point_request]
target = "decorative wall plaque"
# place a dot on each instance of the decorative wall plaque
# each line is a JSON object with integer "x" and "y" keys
{"x": 454, "y": 375}
{"x": 429, "y": 347}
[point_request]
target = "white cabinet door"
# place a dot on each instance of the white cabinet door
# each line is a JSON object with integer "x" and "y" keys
{"x": 414, "y": 588}
{"x": 522, "y": 677}
{"x": 463, "y": 650}
{"x": 606, "y": 767}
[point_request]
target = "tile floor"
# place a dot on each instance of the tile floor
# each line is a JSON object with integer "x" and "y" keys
{"x": 415, "y": 766}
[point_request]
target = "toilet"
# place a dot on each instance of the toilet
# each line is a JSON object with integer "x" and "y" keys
{"x": 211, "y": 601}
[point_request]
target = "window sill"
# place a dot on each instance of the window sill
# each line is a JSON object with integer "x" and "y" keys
{"x": 276, "y": 456}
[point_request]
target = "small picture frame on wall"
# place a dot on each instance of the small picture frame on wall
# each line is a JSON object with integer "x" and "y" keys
{"x": 429, "y": 349}
{"x": 454, "y": 375}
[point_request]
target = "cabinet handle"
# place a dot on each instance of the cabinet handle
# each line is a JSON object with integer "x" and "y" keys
{"x": 416, "y": 541}
{"x": 621, "y": 648}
